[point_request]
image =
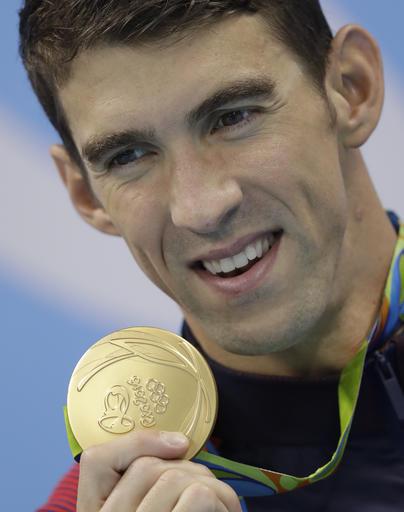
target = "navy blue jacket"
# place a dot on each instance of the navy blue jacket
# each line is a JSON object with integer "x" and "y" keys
{"x": 292, "y": 426}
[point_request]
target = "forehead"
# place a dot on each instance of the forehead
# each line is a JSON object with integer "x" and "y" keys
{"x": 112, "y": 84}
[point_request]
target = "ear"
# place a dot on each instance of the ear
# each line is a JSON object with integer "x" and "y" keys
{"x": 355, "y": 84}
{"x": 81, "y": 195}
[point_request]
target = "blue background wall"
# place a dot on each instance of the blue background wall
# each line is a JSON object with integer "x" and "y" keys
{"x": 63, "y": 286}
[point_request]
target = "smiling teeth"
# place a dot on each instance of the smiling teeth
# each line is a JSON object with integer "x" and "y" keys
{"x": 253, "y": 251}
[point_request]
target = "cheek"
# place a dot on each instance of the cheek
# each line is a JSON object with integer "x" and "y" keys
{"x": 138, "y": 215}
{"x": 301, "y": 172}
{"x": 143, "y": 230}
{"x": 141, "y": 222}
{"x": 308, "y": 163}
{"x": 265, "y": 162}
{"x": 271, "y": 166}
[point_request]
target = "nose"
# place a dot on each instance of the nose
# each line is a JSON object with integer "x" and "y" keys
{"x": 203, "y": 193}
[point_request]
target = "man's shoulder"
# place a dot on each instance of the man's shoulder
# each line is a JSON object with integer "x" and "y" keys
{"x": 64, "y": 496}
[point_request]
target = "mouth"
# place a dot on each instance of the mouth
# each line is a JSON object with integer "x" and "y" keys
{"x": 242, "y": 270}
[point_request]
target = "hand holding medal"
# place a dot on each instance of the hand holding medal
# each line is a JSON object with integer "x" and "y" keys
{"x": 146, "y": 379}
{"x": 124, "y": 389}
{"x": 141, "y": 379}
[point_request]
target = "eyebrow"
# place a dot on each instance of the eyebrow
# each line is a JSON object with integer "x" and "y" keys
{"x": 98, "y": 146}
{"x": 95, "y": 149}
{"x": 234, "y": 92}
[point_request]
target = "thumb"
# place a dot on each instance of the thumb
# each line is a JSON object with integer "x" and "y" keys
{"x": 102, "y": 466}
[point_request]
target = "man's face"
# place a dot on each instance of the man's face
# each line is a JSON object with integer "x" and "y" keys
{"x": 212, "y": 153}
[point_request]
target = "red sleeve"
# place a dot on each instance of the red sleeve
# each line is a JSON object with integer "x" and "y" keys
{"x": 64, "y": 496}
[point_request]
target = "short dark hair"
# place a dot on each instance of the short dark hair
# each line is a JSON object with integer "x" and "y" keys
{"x": 53, "y": 32}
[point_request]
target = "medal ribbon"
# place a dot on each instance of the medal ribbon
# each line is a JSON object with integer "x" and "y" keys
{"x": 250, "y": 481}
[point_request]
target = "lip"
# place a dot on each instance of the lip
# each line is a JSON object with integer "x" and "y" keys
{"x": 247, "y": 282}
{"x": 232, "y": 249}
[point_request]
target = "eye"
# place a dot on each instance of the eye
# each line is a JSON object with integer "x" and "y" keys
{"x": 128, "y": 156}
{"x": 235, "y": 118}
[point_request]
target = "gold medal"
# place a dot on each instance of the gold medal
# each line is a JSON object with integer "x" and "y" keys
{"x": 142, "y": 378}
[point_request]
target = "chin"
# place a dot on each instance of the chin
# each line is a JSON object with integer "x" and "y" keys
{"x": 251, "y": 342}
{"x": 280, "y": 331}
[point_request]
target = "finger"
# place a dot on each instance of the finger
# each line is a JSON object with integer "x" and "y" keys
{"x": 143, "y": 474}
{"x": 199, "y": 498}
{"x": 102, "y": 466}
{"x": 167, "y": 492}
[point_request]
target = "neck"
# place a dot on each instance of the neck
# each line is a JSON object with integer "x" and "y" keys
{"x": 364, "y": 267}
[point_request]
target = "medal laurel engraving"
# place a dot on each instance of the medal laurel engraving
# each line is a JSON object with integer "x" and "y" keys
{"x": 142, "y": 378}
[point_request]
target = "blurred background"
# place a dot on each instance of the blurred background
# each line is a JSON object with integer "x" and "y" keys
{"x": 63, "y": 285}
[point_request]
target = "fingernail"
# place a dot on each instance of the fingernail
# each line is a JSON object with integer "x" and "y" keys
{"x": 174, "y": 438}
